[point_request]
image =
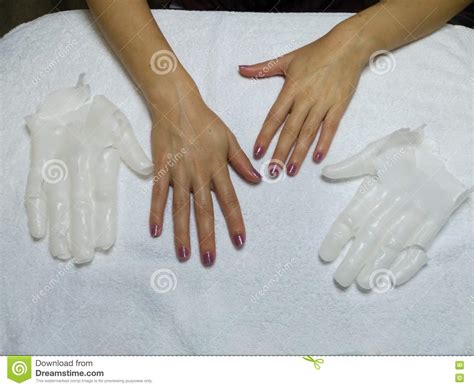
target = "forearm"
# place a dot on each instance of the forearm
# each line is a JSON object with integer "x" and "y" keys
{"x": 393, "y": 23}
{"x": 133, "y": 34}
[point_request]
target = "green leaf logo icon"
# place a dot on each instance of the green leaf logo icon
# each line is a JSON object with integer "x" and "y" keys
{"x": 19, "y": 368}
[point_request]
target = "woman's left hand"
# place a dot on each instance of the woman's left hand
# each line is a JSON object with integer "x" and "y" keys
{"x": 320, "y": 79}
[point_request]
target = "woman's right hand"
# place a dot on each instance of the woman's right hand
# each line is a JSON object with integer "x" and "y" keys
{"x": 191, "y": 148}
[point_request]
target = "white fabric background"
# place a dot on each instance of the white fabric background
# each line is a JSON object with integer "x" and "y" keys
{"x": 109, "y": 307}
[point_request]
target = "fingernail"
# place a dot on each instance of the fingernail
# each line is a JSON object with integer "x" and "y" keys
{"x": 292, "y": 169}
{"x": 208, "y": 259}
{"x": 274, "y": 170}
{"x": 258, "y": 151}
{"x": 155, "y": 230}
{"x": 256, "y": 174}
{"x": 183, "y": 253}
{"x": 243, "y": 66}
{"x": 318, "y": 157}
{"x": 239, "y": 240}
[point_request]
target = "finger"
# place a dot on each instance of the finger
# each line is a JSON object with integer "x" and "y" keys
{"x": 241, "y": 163}
{"x": 159, "y": 198}
{"x": 414, "y": 258}
{"x": 362, "y": 163}
{"x": 392, "y": 243}
{"x": 288, "y": 137}
{"x": 205, "y": 223}
{"x": 265, "y": 69}
{"x": 57, "y": 195}
{"x": 328, "y": 131}
{"x": 366, "y": 242}
{"x": 305, "y": 139}
{"x": 275, "y": 118}
{"x": 82, "y": 217}
{"x": 105, "y": 196}
{"x": 181, "y": 212}
{"x": 230, "y": 207}
{"x": 349, "y": 221}
{"x": 130, "y": 150}
{"x": 355, "y": 259}
{"x": 410, "y": 262}
{"x": 35, "y": 202}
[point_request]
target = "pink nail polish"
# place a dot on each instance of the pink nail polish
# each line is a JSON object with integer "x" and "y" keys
{"x": 292, "y": 169}
{"x": 155, "y": 230}
{"x": 274, "y": 170}
{"x": 258, "y": 151}
{"x": 183, "y": 253}
{"x": 239, "y": 240}
{"x": 256, "y": 174}
{"x": 318, "y": 157}
{"x": 208, "y": 258}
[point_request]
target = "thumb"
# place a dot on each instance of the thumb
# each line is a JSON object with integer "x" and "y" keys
{"x": 130, "y": 150}
{"x": 241, "y": 163}
{"x": 354, "y": 166}
{"x": 363, "y": 163}
{"x": 265, "y": 69}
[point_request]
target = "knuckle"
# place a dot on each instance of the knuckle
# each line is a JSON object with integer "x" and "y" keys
{"x": 273, "y": 118}
{"x": 179, "y": 203}
{"x": 291, "y": 131}
{"x": 203, "y": 208}
{"x": 331, "y": 125}
{"x": 229, "y": 200}
{"x": 155, "y": 188}
{"x": 306, "y": 135}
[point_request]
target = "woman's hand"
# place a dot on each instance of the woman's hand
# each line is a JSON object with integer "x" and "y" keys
{"x": 191, "y": 148}
{"x": 320, "y": 79}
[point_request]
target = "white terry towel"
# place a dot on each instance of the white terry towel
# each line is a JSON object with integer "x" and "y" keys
{"x": 275, "y": 296}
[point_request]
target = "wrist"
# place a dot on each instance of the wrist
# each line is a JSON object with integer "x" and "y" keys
{"x": 167, "y": 89}
{"x": 358, "y": 42}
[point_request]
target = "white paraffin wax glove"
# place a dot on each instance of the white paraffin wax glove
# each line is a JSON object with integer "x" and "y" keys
{"x": 76, "y": 146}
{"x": 403, "y": 202}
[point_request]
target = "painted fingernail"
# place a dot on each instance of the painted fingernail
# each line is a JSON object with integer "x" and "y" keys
{"x": 318, "y": 157}
{"x": 274, "y": 170}
{"x": 256, "y": 174}
{"x": 183, "y": 253}
{"x": 292, "y": 169}
{"x": 239, "y": 240}
{"x": 258, "y": 151}
{"x": 208, "y": 258}
{"x": 155, "y": 230}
